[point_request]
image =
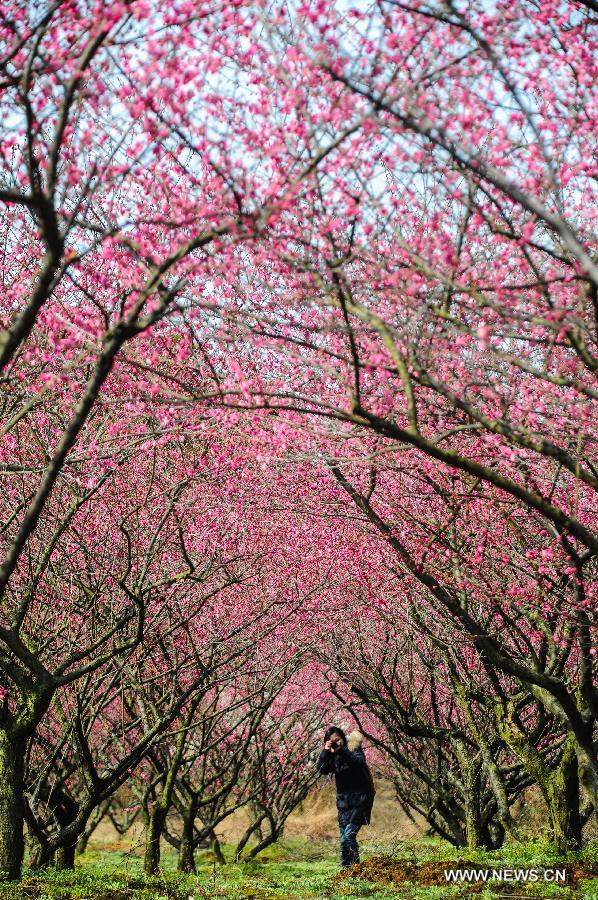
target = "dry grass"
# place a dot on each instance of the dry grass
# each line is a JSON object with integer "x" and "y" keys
{"x": 314, "y": 819}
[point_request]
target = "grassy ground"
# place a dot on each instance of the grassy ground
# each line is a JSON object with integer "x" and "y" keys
{"x": 297, "y": 870}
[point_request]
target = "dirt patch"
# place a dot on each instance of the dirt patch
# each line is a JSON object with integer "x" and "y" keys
{"x": 388, "y": 870}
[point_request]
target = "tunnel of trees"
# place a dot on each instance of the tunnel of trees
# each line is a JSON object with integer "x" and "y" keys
{"x": 298, "y": 331}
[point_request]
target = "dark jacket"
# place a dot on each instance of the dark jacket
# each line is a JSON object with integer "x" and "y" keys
{"x": 354, "y": 792}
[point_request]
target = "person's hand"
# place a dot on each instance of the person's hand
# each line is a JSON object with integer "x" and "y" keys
{"x": 328, "y": 745}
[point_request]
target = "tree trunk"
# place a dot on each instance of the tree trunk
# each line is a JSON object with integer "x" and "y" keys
{"x": 471, "y": 808}
{"x": 41, "y": 856}
{"x": 94, "y": 820}
{"x": 560, "y": 787}
{"x": 65, "y": 811}
{"x": 265, "y": 842}
{"x": 587, "y": 773}
{"x": 159, "y": 811}
{"x": 82, "y": 843}
{"x": 493, "y": 834}
{"x": 154, "y": 831}
{"x": 445, "y": 823}
{"x": 64, "y": 857}
{"x": 12, "y": 843}
{"x": 247, "y": 835}
{"x": 217, "y": 850}
{"x": 563, "y": 801}
{"x": 471, "y": 778}
{"x": 496, "y": 831}
{"x": 186, "y": 861}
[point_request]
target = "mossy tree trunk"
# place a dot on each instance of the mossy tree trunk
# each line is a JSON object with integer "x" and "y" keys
{"x": 12, "y": 843}
{"x": 559, "y": 784}
{"x": 155, "y": 827}
{"x": 186, "y": 862}
{"x": 64, "y": 858}
{"x": 563, "y": 801}
{"x": 473, "y": 824}
{"x": 471, "y": 776}
{"x": 504, "y": 823}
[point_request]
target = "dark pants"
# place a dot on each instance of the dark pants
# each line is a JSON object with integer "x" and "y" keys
{"x": 349, "y": 845}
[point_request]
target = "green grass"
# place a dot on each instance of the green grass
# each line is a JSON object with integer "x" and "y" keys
{"x": 294, "y": 870}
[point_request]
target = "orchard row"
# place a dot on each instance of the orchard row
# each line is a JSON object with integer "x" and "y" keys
{"x": 298, "y": 361}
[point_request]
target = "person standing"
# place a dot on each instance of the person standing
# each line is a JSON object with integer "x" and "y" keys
{"x": 355, "y": 790}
